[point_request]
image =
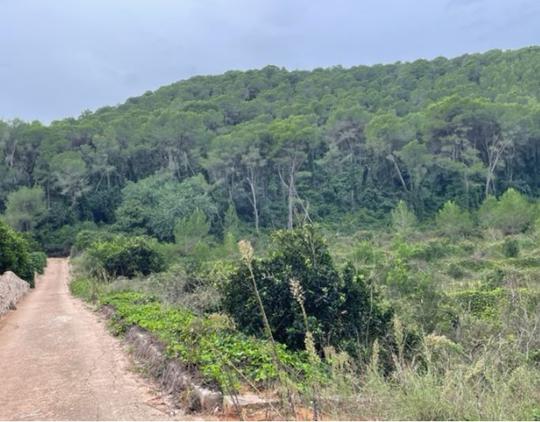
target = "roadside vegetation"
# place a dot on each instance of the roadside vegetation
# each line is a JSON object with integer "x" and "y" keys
{"x": 20, "y": 254}
{"x": 431, "y": 320}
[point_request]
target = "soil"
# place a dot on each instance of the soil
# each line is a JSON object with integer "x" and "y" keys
{"x": 58, "y": 361}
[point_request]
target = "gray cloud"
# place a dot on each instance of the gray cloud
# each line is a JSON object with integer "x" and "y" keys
{"x": 60, "y": 57}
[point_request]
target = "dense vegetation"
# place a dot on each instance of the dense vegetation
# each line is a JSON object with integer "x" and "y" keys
{"x": 388, "y": 220}
{"x": 338, "y": 307}
{"x": 17, "y": 255}
{"x": 281, "y": 147}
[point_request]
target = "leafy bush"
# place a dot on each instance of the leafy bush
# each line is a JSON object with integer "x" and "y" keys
{"x": 452, "y": 221}
{"x": 455, "y": 270}
{"x": 85, "y": 239}
{"x": 191, "y": 230}
{"x": 154, "y": 205}
{"x": 510, "y": 248}
{"x": 511, "y": 214}
{"x": 403, "y": 219}
{"x": 338, "y": 307}
{"x": 14, "y": 254}
{"x": 481, "y": 303}
{"x": 38, "y": 260}
{"x": 124, "y": 256}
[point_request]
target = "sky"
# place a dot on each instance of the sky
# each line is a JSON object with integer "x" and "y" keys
{"x": 61, "y": 57}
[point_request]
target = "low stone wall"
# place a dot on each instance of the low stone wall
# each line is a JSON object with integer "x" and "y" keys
{"x": 12, "y": 289}
{"x": 174, "y": 378}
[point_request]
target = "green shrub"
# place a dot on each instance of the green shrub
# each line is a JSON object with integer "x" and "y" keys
{"x": 85, "y": 239}
{"x": 455, "y": 271}
{"x": 38, "y": 260}
{"x": 453, "y": 221}
{"x": 336, "y": 304}
{"x": 14, "y": 254}
{"x": 510, "y": 248}
{"x": 432, "y": 250}
{"x": 86, "y": 289}
{"x": 511, "y": 214}
{"x": 403, "y": 219}
{"x": 124, "y": 256}
{"x": 480, "y": 302}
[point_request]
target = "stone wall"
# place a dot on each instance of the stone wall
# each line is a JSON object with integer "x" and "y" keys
{"x": 12, "y": 289}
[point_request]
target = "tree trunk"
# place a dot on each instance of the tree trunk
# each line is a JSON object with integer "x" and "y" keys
{"x": 251, "y": 182}
{"x": 393, "y": 159}
{"x": 290, "y": 201}
{"x": 290, "y": 194}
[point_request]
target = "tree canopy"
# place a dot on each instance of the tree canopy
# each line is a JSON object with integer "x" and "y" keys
{"x": 286, "y": 147}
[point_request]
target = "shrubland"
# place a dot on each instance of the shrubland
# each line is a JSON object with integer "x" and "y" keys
{"x": 416, "y": 321}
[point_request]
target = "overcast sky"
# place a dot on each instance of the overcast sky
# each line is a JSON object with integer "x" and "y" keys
{"x": 60, "y": 57}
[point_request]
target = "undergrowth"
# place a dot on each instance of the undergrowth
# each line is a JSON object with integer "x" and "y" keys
{"x": 225, "y": 357}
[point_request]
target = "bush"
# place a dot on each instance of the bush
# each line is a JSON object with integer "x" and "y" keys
{"x": 38, "y": 260}
{"x": 480, "y": 302}
{"x": 14, "y": 254}
{"x": 338, "y": 307}
{"x": 510, "y": 248}
{"x": 511, "y": 214}
{"x": 403, "y": 219}
{"x": 455, "y": 271}
{"x": 191, "y": 231}
{"x": 452, "y": 221}
{"x": 85, "y": 239}
{"x": 124, "y": 256}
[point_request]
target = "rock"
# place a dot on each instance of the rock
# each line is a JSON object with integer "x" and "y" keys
{"x": 210, "y": 401}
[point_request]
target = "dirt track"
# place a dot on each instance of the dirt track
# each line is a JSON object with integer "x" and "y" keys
{"x": 57, "y": 361}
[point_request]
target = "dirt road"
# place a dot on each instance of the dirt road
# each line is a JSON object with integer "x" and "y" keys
{"x": 57, "y": 361}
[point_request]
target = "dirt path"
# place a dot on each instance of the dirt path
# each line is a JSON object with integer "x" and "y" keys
{"x": 57, "y": 361}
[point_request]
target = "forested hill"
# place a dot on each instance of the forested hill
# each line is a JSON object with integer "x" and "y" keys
{"x": 281, "y": 147}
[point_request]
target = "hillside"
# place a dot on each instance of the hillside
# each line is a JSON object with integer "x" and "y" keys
{"x": 339, "y": 243}
{"x": 286, "y": 146}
